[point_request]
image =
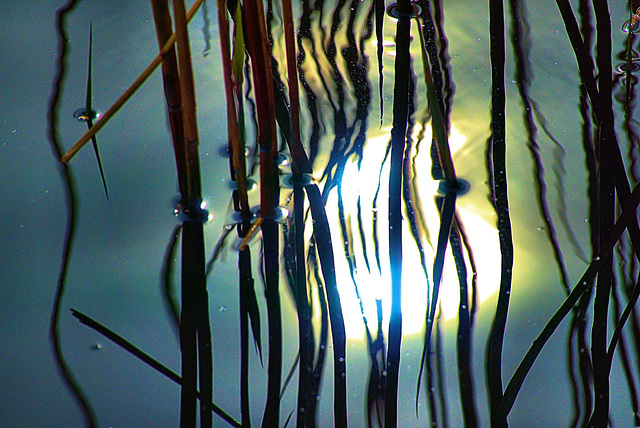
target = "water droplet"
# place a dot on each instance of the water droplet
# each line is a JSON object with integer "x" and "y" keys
{"x": 341, "y": 359}
{"x": 97, "y": 347}
{"x": 283, "y": 160}
{"x": 343, "y": 374}
{"x": 222, "y": 308}
{"x": 193, "y": 212}
{"x": 384, "y": 373}
{"x": 301, "y": 409}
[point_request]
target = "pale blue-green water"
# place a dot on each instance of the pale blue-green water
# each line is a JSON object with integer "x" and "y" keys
{"x": 119, "y": 247}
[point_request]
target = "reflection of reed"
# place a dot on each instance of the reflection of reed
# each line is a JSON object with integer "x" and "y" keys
{"x": 71, "y": 203}
{"x": 331, "y": 66}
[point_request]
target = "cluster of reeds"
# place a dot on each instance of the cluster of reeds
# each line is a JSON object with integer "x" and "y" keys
{"x": 309, "y": 264}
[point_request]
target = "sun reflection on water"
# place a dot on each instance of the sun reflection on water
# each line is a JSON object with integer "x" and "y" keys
{"x": 373, "y": 283}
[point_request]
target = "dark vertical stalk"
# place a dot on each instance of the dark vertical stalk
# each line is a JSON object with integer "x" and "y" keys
{"x": 195, "y": 335}
{"x": 606, "y": 213}
{"x": 380, "y": 11}
{"x": 325, "y": 253}
{"x": 441, "y": 372}
{"x": 398, "y": 139}
{"x": 465, "y": 322}
{"x": 257, "y": 46}
{"x": 624, "y": 351}
{"x": 498, "y": 173}
{"x": 196, "y": 351}
{"x": 306, "y": 400}
{"x": 246, "y": 289}
{"x": 322, "y": 239}
{"x": 591, "y": 165}
{"x": 305, "y": 333}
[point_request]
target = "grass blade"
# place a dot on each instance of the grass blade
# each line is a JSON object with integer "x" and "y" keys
{"x": 146, "y": 358}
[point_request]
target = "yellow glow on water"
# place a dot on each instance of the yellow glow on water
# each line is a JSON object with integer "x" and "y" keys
{"x": 374, "y": 284}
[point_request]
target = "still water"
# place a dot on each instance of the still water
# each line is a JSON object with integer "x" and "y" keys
{"x": 120, "y": 244}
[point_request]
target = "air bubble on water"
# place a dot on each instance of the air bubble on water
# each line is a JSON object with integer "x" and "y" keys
{"x": 251, "y": 184}
{"x": 81, "y": 115}
{"x": 236, "y": 217}
{"x": 622, "y": 67}
{"x": 394, "y": 12}
{"x": 288, "y": 181}
{"x": 225, "y": 152}
{"x": 280, "y": 215}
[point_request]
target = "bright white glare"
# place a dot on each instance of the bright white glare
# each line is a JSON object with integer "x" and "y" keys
{"x": 373, "y": 284}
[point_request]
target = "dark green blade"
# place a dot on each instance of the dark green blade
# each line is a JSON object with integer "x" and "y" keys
{"x": 89, "y": 112}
